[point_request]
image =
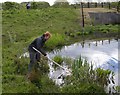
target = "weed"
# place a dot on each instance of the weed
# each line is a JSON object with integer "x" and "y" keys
{"x": 58, "y": 59}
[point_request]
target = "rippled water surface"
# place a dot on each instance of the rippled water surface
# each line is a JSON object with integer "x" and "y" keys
{"x": 102, "y": 54}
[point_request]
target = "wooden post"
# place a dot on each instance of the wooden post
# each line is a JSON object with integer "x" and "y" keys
{"x": 102, "y": 4}
{"x": 88, "y": 4}
{"x": 82, "y": 14}
{"x": 109, "y": 5}
{"x": 96, "y": 5}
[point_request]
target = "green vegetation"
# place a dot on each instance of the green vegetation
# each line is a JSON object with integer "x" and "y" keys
{"x": 58, "y": 59}
{"x": 85, "y": 79}
{"x": 56, "y": 40}
{"x": 39, "y": 5}
{"x": 118, "y": 89}
{"x": 10, "y": 5}
{"x": 20, "y": 27}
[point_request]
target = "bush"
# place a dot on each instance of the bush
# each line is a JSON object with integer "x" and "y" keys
{"x": 61, "y": 4}
{"x": 105, "y": 31}
{"x": 86, "y": 33}
{"x": 10, "y": 5}
{"x": 75, "y": 6}
{"x": 72, "y": 35}
{"x": 39, "y": 5}
{"x": 79, "y": 33}
{"x": 21, "y": 66}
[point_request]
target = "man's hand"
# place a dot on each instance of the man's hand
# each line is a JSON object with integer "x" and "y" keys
{"x": 46, "y": 57}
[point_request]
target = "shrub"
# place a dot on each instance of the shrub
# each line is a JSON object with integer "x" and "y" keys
{"x": 105, "y": 31}
{"x": 89, "y": 29}
{"x": 10, "y": 5}
{"x": 39, "y": 5}
{"x": 72, "y": 35}
{"x": 21, "y": 66}
{"x": 85, "y": 33}
{"x": 61, "y": 4}
{"x": 113, "y": 29}
{"x": 79, "y": 33}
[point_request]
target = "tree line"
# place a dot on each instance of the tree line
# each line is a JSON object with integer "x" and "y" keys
{"x": 40, "y": 5}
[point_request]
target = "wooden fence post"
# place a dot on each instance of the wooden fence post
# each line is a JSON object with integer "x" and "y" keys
{"x": 96, "y": 5}
{"x": 109, "y": 5}
{"x": 88, "y": 4}
{"x": 82, "y": 14}
{"x": 102, "y": 4}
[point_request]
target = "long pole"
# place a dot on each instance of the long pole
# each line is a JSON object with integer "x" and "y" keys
{"x": 51, "y": 59}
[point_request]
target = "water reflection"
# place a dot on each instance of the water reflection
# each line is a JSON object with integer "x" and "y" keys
{"x": 96, "y": 43}
{"x": 103, "y": 54}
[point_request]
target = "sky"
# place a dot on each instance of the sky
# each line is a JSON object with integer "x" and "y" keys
{"x": 51, "y": 2}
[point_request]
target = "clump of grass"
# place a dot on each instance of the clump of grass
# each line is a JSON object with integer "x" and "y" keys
{"x": 72, "y": 35}
{"x": 78, "y": 33}
{"x": 86, "y": 33}
{"x": 55, "y": 40}
{"x": 118, "y": 89}
{"x": 104, "y": 31}
{"x": 58, "y": 59}
{"x": 20, "y": 65}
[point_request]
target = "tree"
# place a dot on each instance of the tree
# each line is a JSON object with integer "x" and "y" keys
{"x": 61, "y": 3}
{"x": 10, "y": 5}
{"x": 39, "y": 5}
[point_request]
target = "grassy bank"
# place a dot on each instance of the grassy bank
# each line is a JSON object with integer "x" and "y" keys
{"x": 21, "y": 27}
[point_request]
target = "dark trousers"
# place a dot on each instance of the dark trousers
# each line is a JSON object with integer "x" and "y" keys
{"x": 34, "y": 58}
{"x": 28, "y": 7}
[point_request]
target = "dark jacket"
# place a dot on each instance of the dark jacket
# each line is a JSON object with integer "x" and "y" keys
{"x": 38, "y": 43}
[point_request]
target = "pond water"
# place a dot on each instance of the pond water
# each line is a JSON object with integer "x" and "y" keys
{"x": 103, "y": 54}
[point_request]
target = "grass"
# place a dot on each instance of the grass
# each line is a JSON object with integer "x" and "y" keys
{"x": 55, "y": 41}
{"x": 21, "y": 27}
{"x": 85, "y": 79}
{"x": 58, "y": 59}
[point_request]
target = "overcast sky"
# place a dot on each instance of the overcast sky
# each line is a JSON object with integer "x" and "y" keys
{"x": 51, "y": 2}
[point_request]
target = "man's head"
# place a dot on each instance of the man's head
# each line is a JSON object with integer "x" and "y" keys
{"x": 47, "y": 35}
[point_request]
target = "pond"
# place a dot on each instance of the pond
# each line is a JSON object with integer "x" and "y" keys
{"x": 103, "y": 54}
